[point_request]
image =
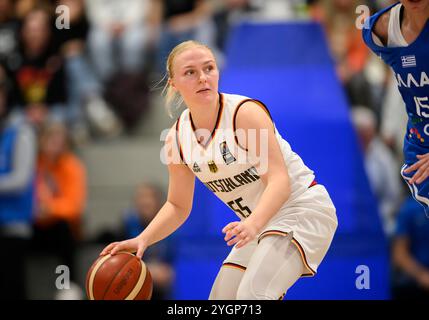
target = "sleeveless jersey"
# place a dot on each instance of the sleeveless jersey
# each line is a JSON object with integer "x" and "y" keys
{"x": 226, "y": 168}
{"x": 411, "y": 67}
{"x": 395, "y": 37}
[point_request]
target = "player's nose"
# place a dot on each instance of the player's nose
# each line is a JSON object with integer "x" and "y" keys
{"x": 202, "y": 77}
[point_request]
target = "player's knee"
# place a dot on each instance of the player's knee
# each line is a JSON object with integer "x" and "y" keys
{"x": 226, "y": 284}
{"x": 221, "y": 294}
{"x": 249, "y": 290}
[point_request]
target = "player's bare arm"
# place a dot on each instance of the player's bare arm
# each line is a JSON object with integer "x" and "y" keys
{"x": 173, "y": 213}
{"x": 276, "y": 179}
{"x": 381, "y": 28}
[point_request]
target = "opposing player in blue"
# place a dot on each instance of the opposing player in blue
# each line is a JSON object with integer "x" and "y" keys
{"x": 399, "y": 34}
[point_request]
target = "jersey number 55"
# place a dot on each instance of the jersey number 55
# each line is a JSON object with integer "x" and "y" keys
{"x": 236, "y": 205}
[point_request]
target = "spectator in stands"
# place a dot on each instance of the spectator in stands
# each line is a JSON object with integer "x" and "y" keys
{"x": 119, "y": 35}
{"x": 23, "y": 7}
{"x": 147, "y": 201}
{"x": 17, "y": 158}
{"x": 279, "y": 10}
{"x": 9, "y": 34}
{"x": 338, "y": 17}
{"x": 411, "y": 253}
{"x": 183, "y": 20}
{"x": 40, "y": 76}
{"x": 88, "y": 107}
{"x": 61, "y": 196}
{"x": 226, "y": 14}
{"x": 381, "y": 167}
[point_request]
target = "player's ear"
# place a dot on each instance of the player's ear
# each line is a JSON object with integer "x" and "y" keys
{"x": 171, "y": 84}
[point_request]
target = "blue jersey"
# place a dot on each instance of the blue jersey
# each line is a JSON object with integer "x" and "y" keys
{"x": 18, "y": 206}
{"x": 411, "y": 67}
{"x": 412, "y": 224}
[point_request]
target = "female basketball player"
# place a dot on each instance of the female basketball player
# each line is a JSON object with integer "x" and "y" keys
{"x": 287, "y": 219}
{"x": 400, "y": 35}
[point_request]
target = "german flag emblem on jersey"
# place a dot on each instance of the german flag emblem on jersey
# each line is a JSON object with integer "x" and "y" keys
{"x": 212, "y": 166}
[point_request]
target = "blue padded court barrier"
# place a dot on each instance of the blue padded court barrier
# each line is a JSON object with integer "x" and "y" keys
{"x": 288, "y": 67}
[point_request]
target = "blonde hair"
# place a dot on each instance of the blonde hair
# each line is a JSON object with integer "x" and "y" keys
{"x": 173, "y": 100}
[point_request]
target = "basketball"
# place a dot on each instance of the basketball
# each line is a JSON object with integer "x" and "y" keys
{"x": 122, "y": 276}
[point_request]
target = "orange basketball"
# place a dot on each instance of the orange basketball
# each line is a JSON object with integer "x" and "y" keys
{"x": 122, "y": 276}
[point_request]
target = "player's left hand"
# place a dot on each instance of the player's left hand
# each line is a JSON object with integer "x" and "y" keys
{"x": 239, "y": 233}
{"x": 421, "y": 167}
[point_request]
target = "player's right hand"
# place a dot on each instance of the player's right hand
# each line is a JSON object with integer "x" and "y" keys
{"x": 421, "y": 168}
{"x": 132, "y": 245}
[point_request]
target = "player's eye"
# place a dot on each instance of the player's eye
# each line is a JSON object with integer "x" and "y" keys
{"x": 189, "y": 72}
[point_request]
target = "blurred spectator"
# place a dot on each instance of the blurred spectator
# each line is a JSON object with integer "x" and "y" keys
{"x": 183, "y": 20}
{"x": 147, "y": 201}
{"x": 9, "y": 34}
{"x": 128, "y": 94}
{"x": 338, "y": 17}
{"x": 380, "y": 4}
{"x": 381, "y": 167}
{"x": 17, "y": 158}
{"x": 122, "y": 33}
{"x": 226, "y": 14}
{"x": 89, "y": 108}
{"x": 61, "y": 196}
{"x": 23, "y": 7}
{"x": 40, "y": 76}
{"x": 411, "y": 253}
{"x": 119, "y": 35}
{"x": 280, "y": 10}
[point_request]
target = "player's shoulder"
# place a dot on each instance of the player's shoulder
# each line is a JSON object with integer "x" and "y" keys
{"x": 378, "y": 24}
{"x": 172, "y": 146}
{"x": 381, "y": 26}
{"x": 172, "y": 132}
{"x": 244, "y": 105}
{"x": 249, "y": 106}
{"x": 180, "y": 119}
{"x": 176, "y": 128}
{"x": 253, "y": 113}
{"x": 232, "y": 99}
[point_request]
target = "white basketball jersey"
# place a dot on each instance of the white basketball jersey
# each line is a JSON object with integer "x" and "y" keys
{"x": 226, "y": 168}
